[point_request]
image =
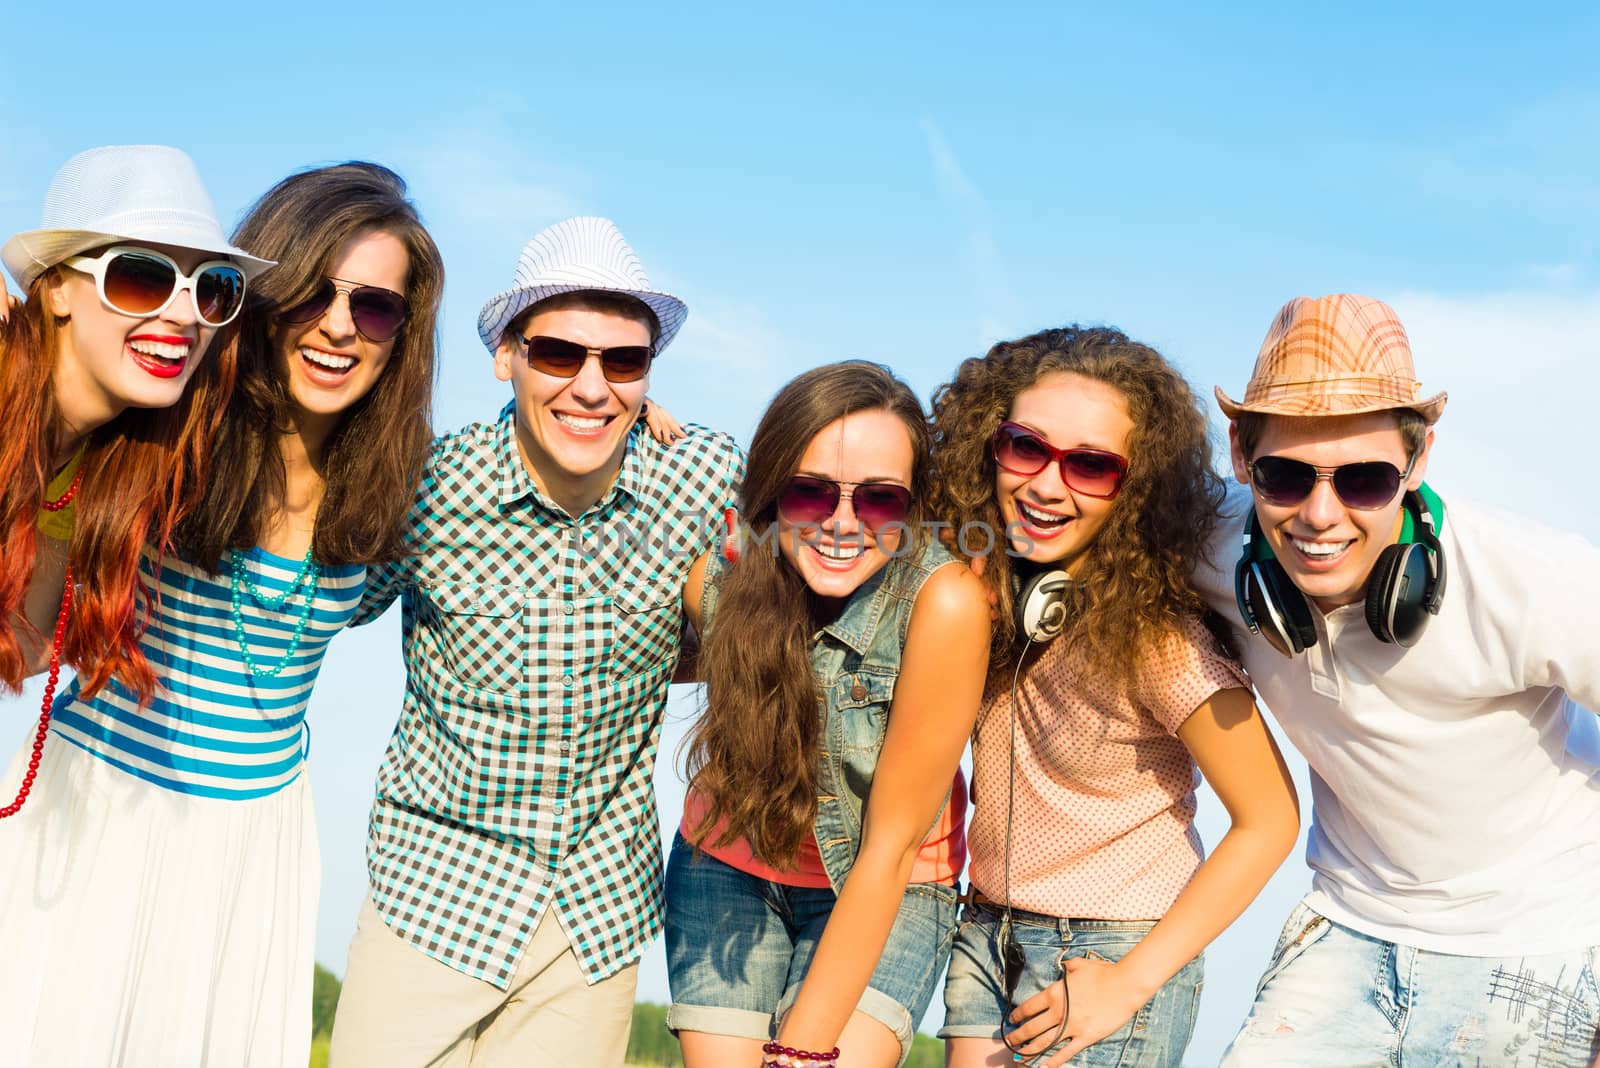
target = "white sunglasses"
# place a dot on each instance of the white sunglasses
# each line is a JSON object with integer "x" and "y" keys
{"x": 142, "y": 282}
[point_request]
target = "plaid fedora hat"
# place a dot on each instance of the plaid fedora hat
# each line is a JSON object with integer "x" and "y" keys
{"x": 1335, "y": 355}
{"x": 138, "y": 193}
{"x": 574, "y": 255}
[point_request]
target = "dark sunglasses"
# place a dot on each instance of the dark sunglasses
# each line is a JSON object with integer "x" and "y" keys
{"x": 564, "y": 359}
{"x": 143, "y": 282}
{"x": 1091, "y": 472}
{"x": 809, "y": 500}
{"x": 1366, "y": 485}
{"x": 378, "y": 313}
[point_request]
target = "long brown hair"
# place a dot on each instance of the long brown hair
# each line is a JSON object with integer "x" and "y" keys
{"x": 142, "y": 471}
{"x": 372, "y": 461}
{"x": 753, "y": 753}
{"x": 1132, "y": 584}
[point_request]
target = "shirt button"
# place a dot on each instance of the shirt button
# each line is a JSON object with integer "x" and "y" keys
{"x": 566, "y": 608}
{"x": 558, "y": 809}
{"x": 566, "y": 680}
{"x": 566, "y": 747}
{"x": 858, "y": 692}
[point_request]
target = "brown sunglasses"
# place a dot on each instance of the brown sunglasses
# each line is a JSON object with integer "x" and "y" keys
{"x": 564, "y": 359}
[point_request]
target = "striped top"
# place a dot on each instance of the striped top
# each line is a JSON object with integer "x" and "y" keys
{"x": 212, "y": 728}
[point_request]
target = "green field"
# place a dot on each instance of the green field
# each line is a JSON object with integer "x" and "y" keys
{"x": 650, "y": 1044}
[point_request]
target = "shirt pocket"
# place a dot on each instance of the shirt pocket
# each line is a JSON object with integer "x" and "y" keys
{"x": 647, "y": 623}
{"x": 861, "y": 701}
{"x": 482, "y": 634}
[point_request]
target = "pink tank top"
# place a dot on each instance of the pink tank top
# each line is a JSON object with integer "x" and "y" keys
{"x": 940, "y": 860}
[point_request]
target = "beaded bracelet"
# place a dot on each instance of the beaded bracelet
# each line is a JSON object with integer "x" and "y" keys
{"x": 786, "y": 1057}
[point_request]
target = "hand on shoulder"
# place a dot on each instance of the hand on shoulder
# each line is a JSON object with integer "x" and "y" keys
{"x": 662, "y": 425}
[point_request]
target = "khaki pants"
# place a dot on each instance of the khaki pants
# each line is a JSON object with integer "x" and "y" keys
{"x": 401, "y": 1008}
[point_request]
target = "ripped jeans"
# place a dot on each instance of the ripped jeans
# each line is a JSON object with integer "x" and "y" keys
{"x": 1333, "y": 996}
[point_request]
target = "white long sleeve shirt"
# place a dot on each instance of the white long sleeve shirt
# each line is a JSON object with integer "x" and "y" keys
{"x": 1455, "y": 784}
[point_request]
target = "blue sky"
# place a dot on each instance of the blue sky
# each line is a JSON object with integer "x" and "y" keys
{"x": 910, "y": 184}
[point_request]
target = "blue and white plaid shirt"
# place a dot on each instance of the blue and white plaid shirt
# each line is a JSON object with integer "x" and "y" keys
{"x": 538, "y": 650}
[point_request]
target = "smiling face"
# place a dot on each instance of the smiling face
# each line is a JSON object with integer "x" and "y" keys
{"x": 1047, "y": 521}
{"x": 326, "y": 362}
{"x": 107, "y": 361}
{"x": 837, "y": 554}
{"x": 1327, "y": 548}
{"x": 573, "y": 431}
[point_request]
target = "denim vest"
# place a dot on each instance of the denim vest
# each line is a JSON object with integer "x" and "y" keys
{"x": 856, "y": 660}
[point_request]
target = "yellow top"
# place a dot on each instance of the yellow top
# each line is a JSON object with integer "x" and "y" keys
{"x": 58, "y": 525}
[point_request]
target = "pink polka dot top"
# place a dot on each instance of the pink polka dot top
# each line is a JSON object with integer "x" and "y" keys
{"x": 1105, "y": 791}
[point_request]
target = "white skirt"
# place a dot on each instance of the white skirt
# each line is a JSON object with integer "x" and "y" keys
{"x": 142, "y": 927}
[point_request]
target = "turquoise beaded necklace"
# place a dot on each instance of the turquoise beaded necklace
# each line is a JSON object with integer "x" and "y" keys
{"x": 308, "y": 575}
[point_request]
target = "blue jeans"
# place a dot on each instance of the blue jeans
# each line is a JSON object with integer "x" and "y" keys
{"x": 1333, "y": 996}
{"x": 738, "y": 947}
{"x": 974, "y": 1000}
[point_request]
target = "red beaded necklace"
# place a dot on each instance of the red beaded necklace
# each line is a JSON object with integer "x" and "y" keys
{"x": 55, "y": 664}
{"x": 66, "y": 498}
{"x": 49, "y": 694}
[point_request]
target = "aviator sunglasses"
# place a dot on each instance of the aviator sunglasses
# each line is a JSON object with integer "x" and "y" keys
{"x": 1367, "y": 485}
{"x": 1091, "y": 472}
{"x": 808, "y": 500}
{"x": 142, "y": 282}
{"x": 561, "y": 358}
{"x": 377, "y": 313}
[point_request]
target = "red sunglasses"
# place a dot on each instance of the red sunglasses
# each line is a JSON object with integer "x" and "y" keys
{"x": 1091, "y": 472}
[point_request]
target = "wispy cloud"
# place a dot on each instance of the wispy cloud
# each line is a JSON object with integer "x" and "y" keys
{"x": 487, "y": 177}
{"x": 992, "y": 288}
{"x": 1540, "y": 160}
{"x": 20, "y": 165}
{"x": 1523, "y": 373}
{"x": 730, "y": 355}
{"x": 725, "y": 333}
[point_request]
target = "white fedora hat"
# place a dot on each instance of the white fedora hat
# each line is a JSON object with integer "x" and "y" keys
{"x": 139, "y": 193}
{"x": 583, "y": 253}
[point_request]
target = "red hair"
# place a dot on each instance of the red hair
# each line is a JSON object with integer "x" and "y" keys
{"x": 142, "y": 472}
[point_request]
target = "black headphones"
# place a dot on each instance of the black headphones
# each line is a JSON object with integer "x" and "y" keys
{"x": 1405, "y": 588}
{"x": 1040, "y": 611}
{"x": 1040, "y": 607}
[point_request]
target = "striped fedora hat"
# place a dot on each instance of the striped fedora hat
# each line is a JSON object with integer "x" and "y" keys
{"x": 1335, "y": 355}
{"x": 583, "y": 253}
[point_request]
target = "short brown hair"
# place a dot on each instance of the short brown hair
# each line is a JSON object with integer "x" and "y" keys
{"x": 600, "y": 300}
{"x": 1249, "y": 427}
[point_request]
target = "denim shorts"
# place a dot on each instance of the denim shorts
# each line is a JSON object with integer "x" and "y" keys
{"x": 1332, "y": 995}
{"x": 974, "y": 1000}
{"x": 738, "y": 947}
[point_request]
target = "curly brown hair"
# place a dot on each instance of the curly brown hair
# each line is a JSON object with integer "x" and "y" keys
{"x": 1132, "y": 585}
{"x": 754, "y": 752}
